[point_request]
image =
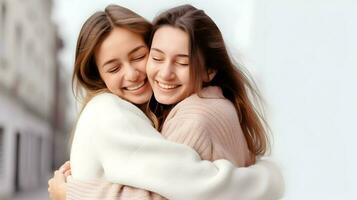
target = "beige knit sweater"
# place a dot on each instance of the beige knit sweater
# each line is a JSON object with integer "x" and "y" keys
{"x": 208, "y": 124}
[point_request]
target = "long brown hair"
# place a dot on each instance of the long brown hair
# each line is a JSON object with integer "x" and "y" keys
{"x": 86, "y": 81}
{"x": 208, "y": 53}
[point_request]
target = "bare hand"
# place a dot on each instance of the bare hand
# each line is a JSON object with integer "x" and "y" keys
{"x": 66, "y": 169}
{"x": 57, "y": 186}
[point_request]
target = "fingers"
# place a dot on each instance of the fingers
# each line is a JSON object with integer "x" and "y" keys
{"x": 50, "y": 183}
{"x": 60, "y": 175}
{"x": 65, "y": 167}
{"x": 56, "y": 186}
{"x": 67, "y": 173}
{"x": 57, "y": 173}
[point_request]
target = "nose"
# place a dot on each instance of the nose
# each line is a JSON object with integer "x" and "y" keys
{"x": 131, "y": 73}
{"x": 166, "y": 72}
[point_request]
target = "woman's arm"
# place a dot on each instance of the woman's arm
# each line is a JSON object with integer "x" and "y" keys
{"x": 131, "y": 152}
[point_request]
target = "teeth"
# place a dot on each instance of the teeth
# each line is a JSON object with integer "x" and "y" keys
{"x": 166, "y": 86}
{"x": 135, "y": 87}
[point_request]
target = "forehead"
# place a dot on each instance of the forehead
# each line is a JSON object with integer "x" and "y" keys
{"x": 120, "y": 42}
{"x": 171, "y": 40}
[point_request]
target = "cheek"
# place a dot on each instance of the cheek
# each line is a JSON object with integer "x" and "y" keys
{"x": 105, "y": 79}
{"x": 113, "y": 82}
{"x": 185, "y": 75}
{"x": 190, "y": 85}
{"x": 150, "y": 69}
{"x": 141, "y": 66}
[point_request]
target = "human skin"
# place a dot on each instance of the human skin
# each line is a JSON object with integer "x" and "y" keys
{"x": 121, "y": 60}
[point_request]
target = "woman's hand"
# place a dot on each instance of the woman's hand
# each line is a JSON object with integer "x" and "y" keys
{"x": 57, "y": 187}
{"x": 66, "y": 169}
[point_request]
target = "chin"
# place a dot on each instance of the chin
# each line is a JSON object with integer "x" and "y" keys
{"x": 141, "y": 100}
{"x": 165, "y": 101}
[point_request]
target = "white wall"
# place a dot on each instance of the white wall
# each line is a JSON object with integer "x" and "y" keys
{"x": 305, "y": 52}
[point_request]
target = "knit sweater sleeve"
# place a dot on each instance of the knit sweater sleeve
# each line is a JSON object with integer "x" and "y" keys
{"x": 112, "y": 135}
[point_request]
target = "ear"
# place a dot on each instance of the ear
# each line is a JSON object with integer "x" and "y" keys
{"x": 210, "y": 75}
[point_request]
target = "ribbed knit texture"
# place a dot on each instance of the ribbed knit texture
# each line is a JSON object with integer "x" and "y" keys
{"x": 210, "y": 125}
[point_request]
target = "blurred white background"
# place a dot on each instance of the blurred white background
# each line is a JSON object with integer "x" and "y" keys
{"x": 302, "y": 55}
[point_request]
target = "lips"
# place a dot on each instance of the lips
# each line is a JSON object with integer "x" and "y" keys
{"x": 167, "y": 86}
{"x": 136, "y": 86}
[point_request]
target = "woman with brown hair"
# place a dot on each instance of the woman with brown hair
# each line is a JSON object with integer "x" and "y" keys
{"x": 190, "y": 71}
{"x": 114, "y": 140}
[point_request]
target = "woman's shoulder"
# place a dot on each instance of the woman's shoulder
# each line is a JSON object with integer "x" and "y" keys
{"x": 108, "y": 104}
{"x": 210, "y": 101}
{"x": 109, "y": 101}
{"x": 208, "y": 113}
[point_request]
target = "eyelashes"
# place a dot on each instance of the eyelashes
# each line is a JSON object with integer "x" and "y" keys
{"x": 118, "y": 66}
{"x": 139, "y": 58}
{"x": 161, "y": 60}
{"x": 157, "y": 59}
{"x": 114, "y": 69}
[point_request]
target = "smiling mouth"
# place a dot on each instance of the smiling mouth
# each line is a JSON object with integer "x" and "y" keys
{"x": 166, "y": 86}
{"x": 136, "y": 86}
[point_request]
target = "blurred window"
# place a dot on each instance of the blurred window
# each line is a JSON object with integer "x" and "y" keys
{"x": 19, "y": 36}
{"x": 3, "y": 16}
{"x": 2, "y": 145}
{"x": 3, "y": 13}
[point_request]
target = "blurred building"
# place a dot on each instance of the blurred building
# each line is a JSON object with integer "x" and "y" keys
{"x": 33, "y": 96}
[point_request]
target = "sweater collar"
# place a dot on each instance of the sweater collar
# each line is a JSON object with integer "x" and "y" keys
{"x": 212, "y": 92}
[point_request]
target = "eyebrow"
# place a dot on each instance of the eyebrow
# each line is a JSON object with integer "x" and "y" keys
{"x": 160, "y": 51}
{"x": 136, "y": 49}
{"x": 131, "y": 52}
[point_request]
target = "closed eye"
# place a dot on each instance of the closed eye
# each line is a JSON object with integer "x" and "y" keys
{"x": 139, "y": 58}
{"x": 157, "y": 59}
{"x": 182, "y": 64}
{"x": 114, "y": 69}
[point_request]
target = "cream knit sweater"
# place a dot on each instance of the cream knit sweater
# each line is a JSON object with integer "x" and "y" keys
{"x": 108, "y": 146}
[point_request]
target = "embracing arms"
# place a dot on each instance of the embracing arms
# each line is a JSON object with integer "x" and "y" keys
{"x": 116, "y": 141}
